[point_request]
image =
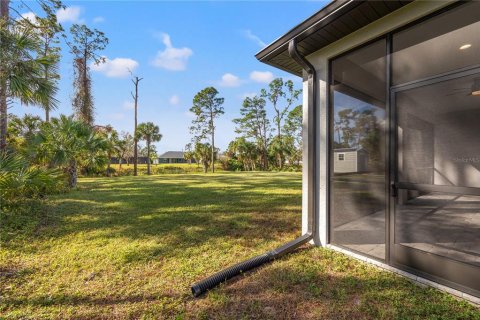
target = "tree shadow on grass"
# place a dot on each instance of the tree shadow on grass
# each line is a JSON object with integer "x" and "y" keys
{"x": 77, "y": 300}
{"x": 186, "y": 211}
{"x": 312, "y": 285}
{"x": 309, "y": 284}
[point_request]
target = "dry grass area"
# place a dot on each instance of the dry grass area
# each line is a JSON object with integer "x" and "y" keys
{"x": 129, "y": 248}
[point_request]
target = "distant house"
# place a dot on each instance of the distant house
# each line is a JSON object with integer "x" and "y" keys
{"x": 141, "y": 160}
{"x": 348, "y": 160}
{"x": 173, "y": 157}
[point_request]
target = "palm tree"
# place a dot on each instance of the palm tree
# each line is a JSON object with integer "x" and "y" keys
{"x": 203, "y": 154}
{"x": 128, "y": 148}
{"x": 25, "y": 127}
{"x": 120, "y": 151}
{"x": 48, "y": 33}
{"x": 22, "y": 68}
{"x": 150, "y": 133}
{"x": 112, "y": 141}
{"x": 247, "y": 152}
{"x": 70, "y": 143}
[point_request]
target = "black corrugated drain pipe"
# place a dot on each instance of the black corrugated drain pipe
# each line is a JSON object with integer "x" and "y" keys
{"x": 204, "y": 285}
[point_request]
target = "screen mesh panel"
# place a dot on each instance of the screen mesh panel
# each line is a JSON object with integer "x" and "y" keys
{"x": 357, "y": 206}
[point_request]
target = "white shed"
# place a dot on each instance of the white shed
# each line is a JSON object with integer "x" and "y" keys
{"x": 348, "y": 160}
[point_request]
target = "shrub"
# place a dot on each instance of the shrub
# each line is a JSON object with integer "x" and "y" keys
{"x": 231, "y": 165}
{"x": 93, "y": 171}
{"x": 124, "y": 171}
{"x": 19, "y": 180}
{"x": 293, "y": 168}
{"x": 172, "y": 169}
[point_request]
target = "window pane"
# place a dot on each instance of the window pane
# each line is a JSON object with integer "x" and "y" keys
{"x": 444, "y": 43}
{"x": 357, "y": 208}
{"x": 438, "y": 143}
{"x": 438, "y": 132}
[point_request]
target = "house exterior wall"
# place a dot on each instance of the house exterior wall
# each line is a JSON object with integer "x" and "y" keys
{"x": 173, "y": 160}
{"x": 320, "y": 60}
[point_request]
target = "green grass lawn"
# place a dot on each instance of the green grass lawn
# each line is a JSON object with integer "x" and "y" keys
{"x": 130, "y": 247}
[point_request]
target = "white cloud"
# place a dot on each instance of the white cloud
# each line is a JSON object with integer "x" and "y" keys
{"x": 249, "y": 35}
{"x": 69, "y": 14}
{"x": 98, "y": 19}
{"x": 30, "y": 16}
{"x": 173, "y": 59}
{"x": 230, "y": 80}
{"x": 128, "y": 105}
{"x": 174, "y": 100}
{"x": 116, "y": 68}
{"x": 261, "y": 76}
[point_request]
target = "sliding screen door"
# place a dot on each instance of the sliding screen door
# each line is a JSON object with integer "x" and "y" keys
{"x": 357, "y": 171}
{"x": 436, "y": 72}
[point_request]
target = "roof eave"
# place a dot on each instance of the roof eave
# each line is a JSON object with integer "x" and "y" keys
{"x": 327, "y": 13}
{"x": 333, "y": 22}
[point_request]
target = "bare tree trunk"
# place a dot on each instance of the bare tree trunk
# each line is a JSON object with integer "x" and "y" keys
{"x": 4, "y": 9}
{"x": 212, "y": 127}
{"x": 3, "y": 116}
{"x": 72, "y": 173}
{"x": 135, "y": 150}
{"x": 47, "y": 106}
{"x": 4, "y": 15}
{"x": 86, "y": 89}
{"x": 279, "y": 137}
{"x": 213, "y": 150}
{"x": 108, "y": 166}
{"x": 265, "y": 158}
{"x": 205, "y": 167}
{"x": 135, "y": 81}
{"x": 264, "y": 147}
{"x": 148, "y": 157}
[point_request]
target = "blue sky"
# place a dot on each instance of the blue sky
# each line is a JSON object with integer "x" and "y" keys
{"x": 178, "y": 48}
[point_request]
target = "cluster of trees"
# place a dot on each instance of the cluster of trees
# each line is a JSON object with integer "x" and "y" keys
{"x": 29, "y": 59}
{"x": 65, "y": 146}
{"x": 38, "y": 156}
{"x": 263, "y": 143}
{"x": 73, "y": 145}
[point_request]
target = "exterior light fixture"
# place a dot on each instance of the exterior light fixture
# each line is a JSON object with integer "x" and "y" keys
{"x": 465, "y": 46}
{"x": 476, "y": 87}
